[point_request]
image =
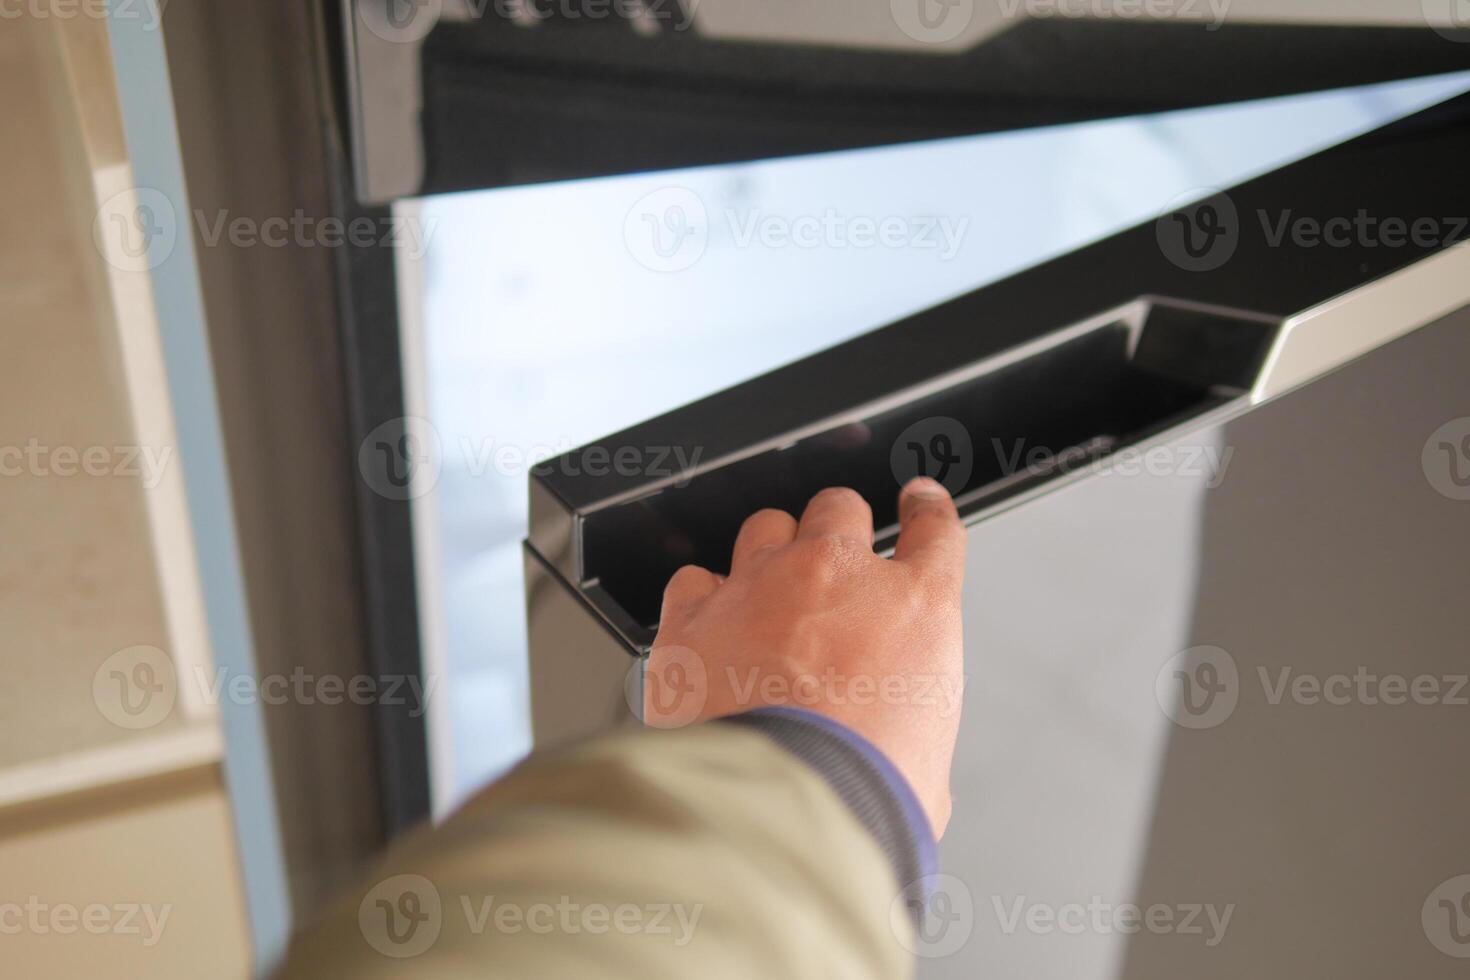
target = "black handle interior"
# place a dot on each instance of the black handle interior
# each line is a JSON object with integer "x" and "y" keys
{"x": 985, "y": 437}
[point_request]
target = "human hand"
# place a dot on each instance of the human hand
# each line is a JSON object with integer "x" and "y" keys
{"x": 811, "y": 617}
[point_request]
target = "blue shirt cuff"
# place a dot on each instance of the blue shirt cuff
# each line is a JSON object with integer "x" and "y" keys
{"x": 866, "y": 780}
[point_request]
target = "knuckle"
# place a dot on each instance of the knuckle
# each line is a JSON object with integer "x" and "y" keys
{"x": 686, "y": 578}
{"x": 936, "y": 524}
{"x": 938, "y": 587}
{"x": 818, "y": 559}
{"x": 917, "y": 604}
{"x": 841, "y": 496}
{"x": 767, "y": 515}
{"x": 932, "y": 516}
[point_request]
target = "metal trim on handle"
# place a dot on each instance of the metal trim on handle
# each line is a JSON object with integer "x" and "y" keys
{"x": 1332, "y": 333}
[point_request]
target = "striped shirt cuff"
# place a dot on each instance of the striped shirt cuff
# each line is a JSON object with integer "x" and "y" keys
{"x": 871, "y": 786}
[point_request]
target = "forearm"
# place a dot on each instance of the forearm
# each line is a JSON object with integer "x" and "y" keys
{"x": 711, "y": 851}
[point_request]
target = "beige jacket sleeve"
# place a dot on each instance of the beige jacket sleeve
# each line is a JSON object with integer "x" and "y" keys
{"x": 709, "y": 852}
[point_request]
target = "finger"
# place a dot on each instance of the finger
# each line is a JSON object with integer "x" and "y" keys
{"x": 767, "y": 528}
{"x": 930, "y": 534}
{"x": 837, "y": 512}
{"x": 689, "y": 586}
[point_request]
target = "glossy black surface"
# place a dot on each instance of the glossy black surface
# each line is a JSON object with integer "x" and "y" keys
{"x": 1406, "y": 170}
{"x": 621, "y": 558}
{"x": 1086, "y": 396}
{"x": 573, "y": 97}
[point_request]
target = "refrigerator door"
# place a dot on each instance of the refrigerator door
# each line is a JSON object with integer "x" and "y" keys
{"x": 454, "y": 94}
{"x": 1216, "y": 485}
{"x": 1216, "y": 704}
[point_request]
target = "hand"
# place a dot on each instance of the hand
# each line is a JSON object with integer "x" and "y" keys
{"x": 810, "y": 617}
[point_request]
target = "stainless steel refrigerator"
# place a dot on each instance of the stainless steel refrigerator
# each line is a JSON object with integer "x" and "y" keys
{"x": 1215, "y": 468}
{"x": 1216, "y": 475}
